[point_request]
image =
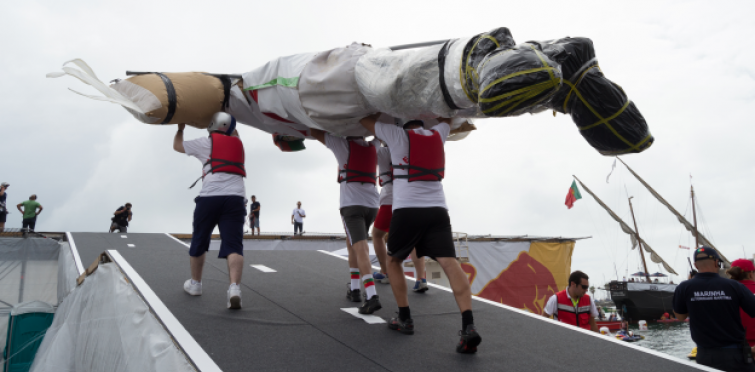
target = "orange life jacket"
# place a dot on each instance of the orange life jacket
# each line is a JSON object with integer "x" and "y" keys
{"x": 567, "y": 313}
{"x": 361, "y": 165}
{"x": 427, "y": 158}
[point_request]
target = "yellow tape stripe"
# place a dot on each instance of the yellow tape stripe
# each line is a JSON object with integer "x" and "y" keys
{"x": 533, "y": 70}
{"x": 529, "y": 92}
{"x": 635, "y": 147}
{"x": 542, "y": 60}
{"x": 602, "y": 121}
{"x": 493, "y": 40}
{"x": 549, "y": 83}
{"x": 568, "y": 95}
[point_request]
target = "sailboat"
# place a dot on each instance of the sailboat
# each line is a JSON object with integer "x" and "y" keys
{"x": 635, "y": 300}
{"x": 648, "y": 301}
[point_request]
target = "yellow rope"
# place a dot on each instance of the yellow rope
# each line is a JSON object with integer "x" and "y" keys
{"x": 632, "y": 146}
{"x": 469, "y": 70}
{"x": 526, "y": 92}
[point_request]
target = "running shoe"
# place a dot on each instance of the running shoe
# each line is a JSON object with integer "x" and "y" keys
{"x": 193, "y": 289}
{"x": 379, "y": 277}
{"x": 353, "y": 295}
{"x": 469, "y": 340}
{"x": 406, "y": 327}
{"x": 420, "y": 286}
{"x": 370, "y": 306}
{"x": 234, "y": 297}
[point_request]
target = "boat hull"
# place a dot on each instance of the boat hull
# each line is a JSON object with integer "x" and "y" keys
{"x": 642, "y": 301}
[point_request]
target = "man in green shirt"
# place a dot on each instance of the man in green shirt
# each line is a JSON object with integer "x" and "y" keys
{"x": 30, "y": 212}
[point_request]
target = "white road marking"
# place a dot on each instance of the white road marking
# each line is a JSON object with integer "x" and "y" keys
{"x": 130, "y": 245}
{"x": 263, "y": 268}
{"x": 123, "y": 236}
{"x": 183, "y": 338}
{"x": 370, "y": 319}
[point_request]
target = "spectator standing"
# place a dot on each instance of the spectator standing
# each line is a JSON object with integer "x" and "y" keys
{"x": 254, "y": 215}
{"x": 3, "y": 206}
{"x": 220, "y": 202}
{"x": 297, "y": 218}
{"x": 713, "y": 305}
{"x": 743, "y": 271}
{"x": 122, "y": 217}
{"x": 573, "y": 305}
{"x": 31, "y": 210}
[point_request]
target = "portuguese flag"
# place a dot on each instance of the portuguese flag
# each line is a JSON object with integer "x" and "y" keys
{"x": 573, "y": 195}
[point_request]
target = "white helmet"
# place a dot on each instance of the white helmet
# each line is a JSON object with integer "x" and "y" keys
{"x": 222, "y": 122}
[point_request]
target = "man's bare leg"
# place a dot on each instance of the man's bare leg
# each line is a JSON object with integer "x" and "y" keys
{"x": 378, "y": 242}
{"x": 197, "y": 264}
{"x": 459, "y": 282}
{"x": 362, "y": 256}
{"x": 398, "y": 283}
{"x": 2, "y": 225}
{"x": 235, "y": 267}
{"x": 352, "y": 255}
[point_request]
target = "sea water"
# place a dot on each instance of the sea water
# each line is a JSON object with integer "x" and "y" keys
{"x": 671, "y": 338}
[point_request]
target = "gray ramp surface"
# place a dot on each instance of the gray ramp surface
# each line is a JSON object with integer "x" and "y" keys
{"x": 291, "y": 319}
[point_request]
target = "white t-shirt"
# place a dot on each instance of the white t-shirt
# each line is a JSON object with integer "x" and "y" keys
{"x": 417, "y": 194}
{"x": 384, "y": 165}
{"x": 552, "y": 306}
{"x": 352, "y": 193}
{"x": 298, "y": 213}
{"x": 214, "y": 184}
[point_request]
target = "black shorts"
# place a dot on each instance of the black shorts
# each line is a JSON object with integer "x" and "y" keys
{"x": 427, "y": 229}
{"x": 3, "y": 216}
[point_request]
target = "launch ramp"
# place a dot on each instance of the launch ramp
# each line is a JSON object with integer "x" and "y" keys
{"x": 292, "y": 318}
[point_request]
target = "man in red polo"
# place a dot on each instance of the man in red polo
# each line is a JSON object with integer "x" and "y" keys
{"x": 573, "y": 305}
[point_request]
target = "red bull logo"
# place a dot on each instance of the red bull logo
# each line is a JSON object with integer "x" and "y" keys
{"x": 525, "y": 284}
{"x": 470, "y": 270}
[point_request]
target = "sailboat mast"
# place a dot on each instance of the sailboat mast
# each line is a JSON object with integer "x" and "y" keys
{"x": 694, "y": 214}
{"x": 639, "y": 241}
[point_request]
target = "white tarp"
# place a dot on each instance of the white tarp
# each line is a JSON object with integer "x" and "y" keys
{"x": 67, "y": 272}
{"x": 28, "y": 272}
{"x": 103, "y": 325}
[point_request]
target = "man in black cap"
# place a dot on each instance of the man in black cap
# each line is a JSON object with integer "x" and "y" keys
{"x": 713, "y": 304}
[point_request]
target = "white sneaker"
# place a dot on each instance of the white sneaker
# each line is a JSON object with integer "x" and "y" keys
{"x": 234, "y": 297}
{"x": 193, "y": 289}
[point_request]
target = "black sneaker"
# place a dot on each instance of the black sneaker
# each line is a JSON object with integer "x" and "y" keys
{"x": 370, "y": 306}
{"x": 469, "y": 340}
{"x": 406, "y": 327}
{"x": 353, "y": 295}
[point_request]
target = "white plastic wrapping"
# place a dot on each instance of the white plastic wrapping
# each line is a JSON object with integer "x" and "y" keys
{"x": 67, "y": 272}
{"x": 103, "y": 325}
{"x": 28, "y": 272}
{"x": 403, "y": 83}
{"x": 329, "y": 92}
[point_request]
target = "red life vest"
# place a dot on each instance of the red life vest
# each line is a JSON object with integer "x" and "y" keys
{"x": 226, "y": 155}
{"x": 389, "y": 174}
{"x": 361, "y": 165}
{"x": 427, "y": 158}
{"x": 579, "y": 316}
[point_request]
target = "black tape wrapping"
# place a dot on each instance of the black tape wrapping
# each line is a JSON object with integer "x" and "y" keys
{"x": 441, "y": 66}
{"x": 171, "y": 97}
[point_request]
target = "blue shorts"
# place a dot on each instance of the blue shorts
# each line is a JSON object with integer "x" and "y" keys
{"x": 225, "y": 212}
{"x": 254, "y": 221}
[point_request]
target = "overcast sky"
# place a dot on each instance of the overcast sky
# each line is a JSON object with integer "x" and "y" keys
{"x": 688, "y": 66}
